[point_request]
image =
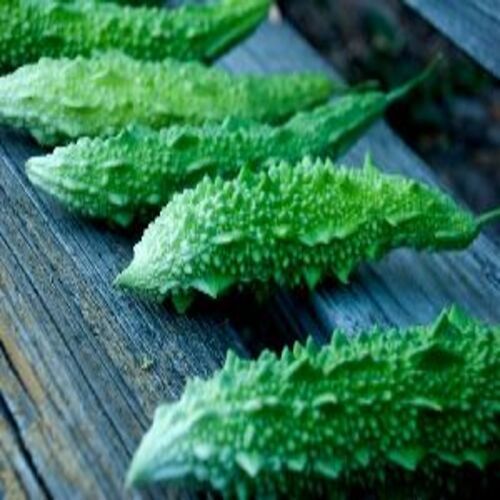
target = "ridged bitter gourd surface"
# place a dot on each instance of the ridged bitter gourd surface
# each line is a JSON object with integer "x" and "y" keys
{"x": 399, "y": 414}
{"x": 289, "y": 225}
{"x": 62, "y": 99}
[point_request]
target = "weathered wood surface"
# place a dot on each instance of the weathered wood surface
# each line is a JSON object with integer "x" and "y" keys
{"x": 76, "y": 391}
{"x": 473, "y": 25}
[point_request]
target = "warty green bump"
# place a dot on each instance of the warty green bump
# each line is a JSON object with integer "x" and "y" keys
{"x": 32, "y": 29}
{"x": 289, "y": 225}
{"x": 131, "y": 176}
{"x": 62, "y": 99}
{"x": 395, "y": 414}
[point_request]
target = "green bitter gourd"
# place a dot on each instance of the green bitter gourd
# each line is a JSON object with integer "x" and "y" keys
{"x": 61, "y": 99}
{"x": 136, "y": 172}
{"x": 32, "y": 29}
{"x": 289, "y": 225}
{"x": 402, "y": 414}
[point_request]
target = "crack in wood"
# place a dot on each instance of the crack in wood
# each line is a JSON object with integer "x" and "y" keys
{"x": 16, "y": 429}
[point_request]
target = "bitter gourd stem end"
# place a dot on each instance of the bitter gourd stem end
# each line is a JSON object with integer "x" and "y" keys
{"x": 488, "y": 217}
{"x": 409, "y": 86}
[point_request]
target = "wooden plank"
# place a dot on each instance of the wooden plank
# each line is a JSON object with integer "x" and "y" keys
{"x": 86, "y": 365}
{"x": 473, "y": 25}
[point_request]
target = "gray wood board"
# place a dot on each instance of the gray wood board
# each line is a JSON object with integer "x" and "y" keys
{"x": 473, "y": 25}
{"x": 76, "y": 391}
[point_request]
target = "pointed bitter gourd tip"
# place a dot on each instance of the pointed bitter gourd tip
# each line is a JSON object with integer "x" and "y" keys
{"x": 135, "y": 279}
{"x": 488, "y": 217}
{"x": 35, "y": 170}
{"x": 125, "y": 279}
{"x": 135, "y": 474}
{"x": 138, "y": 472}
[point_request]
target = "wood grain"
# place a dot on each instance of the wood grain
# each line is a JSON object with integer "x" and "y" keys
{"x": 83, "y": 365}
{"x": 473, "y": 25}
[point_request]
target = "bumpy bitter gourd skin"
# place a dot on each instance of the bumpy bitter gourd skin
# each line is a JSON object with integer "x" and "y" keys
{"x": 61, "y": 99}
{"x": 135, "y": 173}
{"x": 32, "y": 29}
{"x": 402, "y": 414}
{"x": 288, "y": 225}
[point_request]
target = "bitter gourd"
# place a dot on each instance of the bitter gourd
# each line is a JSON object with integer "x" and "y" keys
{"x": 398, "y": 414}
{"x": 61, "y": 99}
{"x": 289, "y": 225}
{"x": 137, "y": 172}
{"x": 32, "y": 29}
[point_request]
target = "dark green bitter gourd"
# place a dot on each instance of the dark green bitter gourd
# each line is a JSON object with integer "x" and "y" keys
{"x": 32, "y": 29}
{"x": 399, "y": 414}
{"x": 289, "y": 225}
{"x": 134, "y": 174}
{"x": 62, "y": 99}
